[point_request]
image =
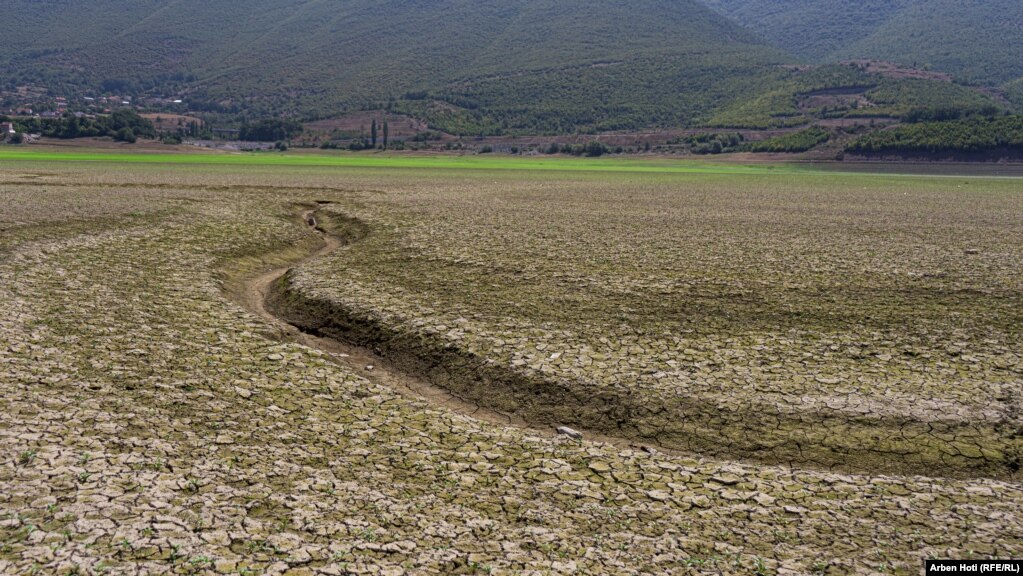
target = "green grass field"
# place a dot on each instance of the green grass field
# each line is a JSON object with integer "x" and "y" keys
{"x": 395, "y": 161}
{"x": 518, "y": 166}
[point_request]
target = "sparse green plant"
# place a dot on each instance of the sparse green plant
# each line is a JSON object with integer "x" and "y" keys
{"x": 27, "y": 457}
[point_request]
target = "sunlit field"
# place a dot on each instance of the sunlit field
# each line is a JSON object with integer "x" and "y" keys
{"x": 774, "y": 369}
{"x": 652, "y": 165}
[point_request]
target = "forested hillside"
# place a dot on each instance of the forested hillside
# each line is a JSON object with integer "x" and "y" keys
{"x": 977, "y": 41}
{"x": 1014, "y": 93}
{"x": 812, "y": 29}
{"x": 518, "y": 66}
{"x": 538, "y": 64}
{"x": 849, "y": 91}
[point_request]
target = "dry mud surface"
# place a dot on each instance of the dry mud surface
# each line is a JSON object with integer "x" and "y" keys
{"x": 151, "y": 425}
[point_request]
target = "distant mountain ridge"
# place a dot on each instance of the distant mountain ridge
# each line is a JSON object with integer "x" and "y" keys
{"x": 515, "y": 66}
{"x": 612, "y": 59}
{"x": 978, "y": 41}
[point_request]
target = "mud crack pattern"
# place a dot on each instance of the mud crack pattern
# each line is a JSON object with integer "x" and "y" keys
{"x": 150, "y": 426}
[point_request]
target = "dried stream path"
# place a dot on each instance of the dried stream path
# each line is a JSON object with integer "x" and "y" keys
{"x": 253, "y": 295}
{"x": 150, "y": 426}
{"x": 488, "y": 393}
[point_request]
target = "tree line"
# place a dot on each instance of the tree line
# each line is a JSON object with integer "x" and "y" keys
{"x": 123, "y": 125}
{"x": 971, "y": 136}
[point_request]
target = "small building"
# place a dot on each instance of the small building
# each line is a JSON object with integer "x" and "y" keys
{"x": 7, "y": 129}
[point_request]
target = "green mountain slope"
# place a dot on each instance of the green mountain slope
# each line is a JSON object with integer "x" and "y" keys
{"x": 492, "y": 66}
{"x": 975, "y": 40}
{"x": 853, "y": 93}
{"x": 1014, "y": 94}
{"x": 813, "y": 29}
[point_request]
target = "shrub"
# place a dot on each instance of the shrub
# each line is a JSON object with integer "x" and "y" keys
{"x": 712, "y": 143}
{"x": 595, "y": 149}
{"x": 125, "y": 135}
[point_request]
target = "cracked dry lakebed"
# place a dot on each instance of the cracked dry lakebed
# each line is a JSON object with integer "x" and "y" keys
{"x": 216, "y": 369}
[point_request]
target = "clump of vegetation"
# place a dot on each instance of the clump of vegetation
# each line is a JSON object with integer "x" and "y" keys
{"x": 713, "y": 142}
{"x": 867, "y": 95}
{"x": 270, "y": 130}
{"x": 795, "y": 142}
{"x": 776, "y": 105}
{"x": 1014, "y": 94}
{"x": 914, "y": 98}
{"x": 946, "y": 113}
{"x": 977, "y": 135}
{"x": 591, "y": 149}
{"x": 123, "y": 124}
{"x": 125, "y": 135}
{"x": 427, "y": 136}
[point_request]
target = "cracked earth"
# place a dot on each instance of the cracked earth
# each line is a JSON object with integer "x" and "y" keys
{"x": 835, "y": 380}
